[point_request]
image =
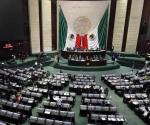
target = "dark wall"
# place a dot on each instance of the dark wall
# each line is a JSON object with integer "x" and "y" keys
{"x": 14, "y": 28}
{"x": 11, "y": 20}
{"x": 54, "y": 24}
{"x": 143, "y": 45}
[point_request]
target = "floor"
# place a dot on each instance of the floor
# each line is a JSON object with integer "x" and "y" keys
{"x": 132, "y": 118}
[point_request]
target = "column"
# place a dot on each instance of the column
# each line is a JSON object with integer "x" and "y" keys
{"x": 134, "y": 25}
{"x": 120, "y": 16}
{"x": 46, "y": 25}
{"x": 34, "y": 25}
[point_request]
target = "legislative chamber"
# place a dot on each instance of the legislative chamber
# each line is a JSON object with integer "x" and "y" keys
{"x": 74, "y": 62}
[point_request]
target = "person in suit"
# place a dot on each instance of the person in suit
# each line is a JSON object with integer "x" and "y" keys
{"x": 35, "y": 65}
{"x": 41, "y": 66}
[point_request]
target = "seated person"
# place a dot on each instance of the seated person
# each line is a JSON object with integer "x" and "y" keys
{"x": 18, "y": 97}
{"x": 35, "y": 65}
{"x": 96, "y": 57}
{"x": 100, "y": 57}
{"x": 41, "y": 66}
{"x": 69, "y": 57}
{"x": 91, "y": 58}
{"x": 67, "y": 49}
{"x": 80, "y": 57}
{"x": 76, "y": 57}
{"x": 87, "y": 58}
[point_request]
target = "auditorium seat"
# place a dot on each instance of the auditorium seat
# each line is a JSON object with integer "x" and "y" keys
{"x": 15, "y": 107}
{"x": 101, "y": 102}
{"x": 46, "y": 97}
{"x": 10, "y": 116}
{"x": 93, "y": 95}
{"x": 57, "y": 114}
{"x": 87, "y": 109}
{"x": 42, "y": 121}
{"x": 54, "y": 105}
{"x": 134, "y": 92}
{"x": 36, "y": 95}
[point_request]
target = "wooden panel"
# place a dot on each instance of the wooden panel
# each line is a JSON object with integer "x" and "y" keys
{"x": 41, "y": 25}
{"x": 134, "y": 25}
{"x": 126, "y": 25}
{"x": 111, "y": 24}
{"x": 120, "y": 16}
{"x": 46, "y": 25}
{"x": 34, "y": 25}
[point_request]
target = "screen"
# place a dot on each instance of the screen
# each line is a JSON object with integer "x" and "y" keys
{"x": 11, "y": 20}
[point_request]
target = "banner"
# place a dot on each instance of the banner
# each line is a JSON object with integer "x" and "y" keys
{"x": 63, "y": 27}
{"x": 93, "y": 39}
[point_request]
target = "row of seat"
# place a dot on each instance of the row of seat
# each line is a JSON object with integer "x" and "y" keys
{"x": 56, "y": 114}
{"x": 55, "y": 105}
{"x": 84, "y": 83}
{"x": 95, "y": 105}
{"x": 63, "y": 93}
{"x": 137, "y": 102}
{"x": 12, "y": 117}
{"x": 43, "y": 121}
{"x": 12, "y": 81}
{"x": 15, "y": 86}
{"x": 122, "y": 88}
{"x": 83, "y": 79}
{"x": 24, "y": 100}
{"x": 56, "y": 85}
{"x": 107, "y": 119}
{"x": 35, "y": 95}
{"x": 128, "y": 97}
{"x": 15, "y": 107}
{"x": 79, "y": 89}
{"x": 135, "y": 90}
{"x": 144, "y": 112}
{"x": 63, "y": 99}
{"x": 4, "y": 88}
{"x": 38, "y": 90}
{"x": 93, "y": 95}
{"x": 101, "y": 102}
{"x": 87, "y": 109}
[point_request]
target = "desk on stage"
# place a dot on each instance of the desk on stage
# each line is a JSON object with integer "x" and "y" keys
{"x": 66, "y": 54}
{"x": 87, "y": 62}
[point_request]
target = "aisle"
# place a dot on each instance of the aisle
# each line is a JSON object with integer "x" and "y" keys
{"x": 78, "y": 119}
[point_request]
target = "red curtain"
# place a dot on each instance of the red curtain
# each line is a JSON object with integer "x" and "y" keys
{"x": 84, "y": 42}
{"x": 78, "y": 41}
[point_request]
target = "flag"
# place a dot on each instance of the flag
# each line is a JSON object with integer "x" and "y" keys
{"x": 102, "y": 30}
{"x": 78, "y": 41}
{"x": 63, "y": 27}
{"x": 84, "y": 42}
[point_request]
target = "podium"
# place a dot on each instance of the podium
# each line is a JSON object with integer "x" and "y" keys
{"x": 66, "y": 54}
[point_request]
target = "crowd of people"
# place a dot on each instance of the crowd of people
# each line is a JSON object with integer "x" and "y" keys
{"x": 79, "y": 57}
{"x": 82, "y": 49}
